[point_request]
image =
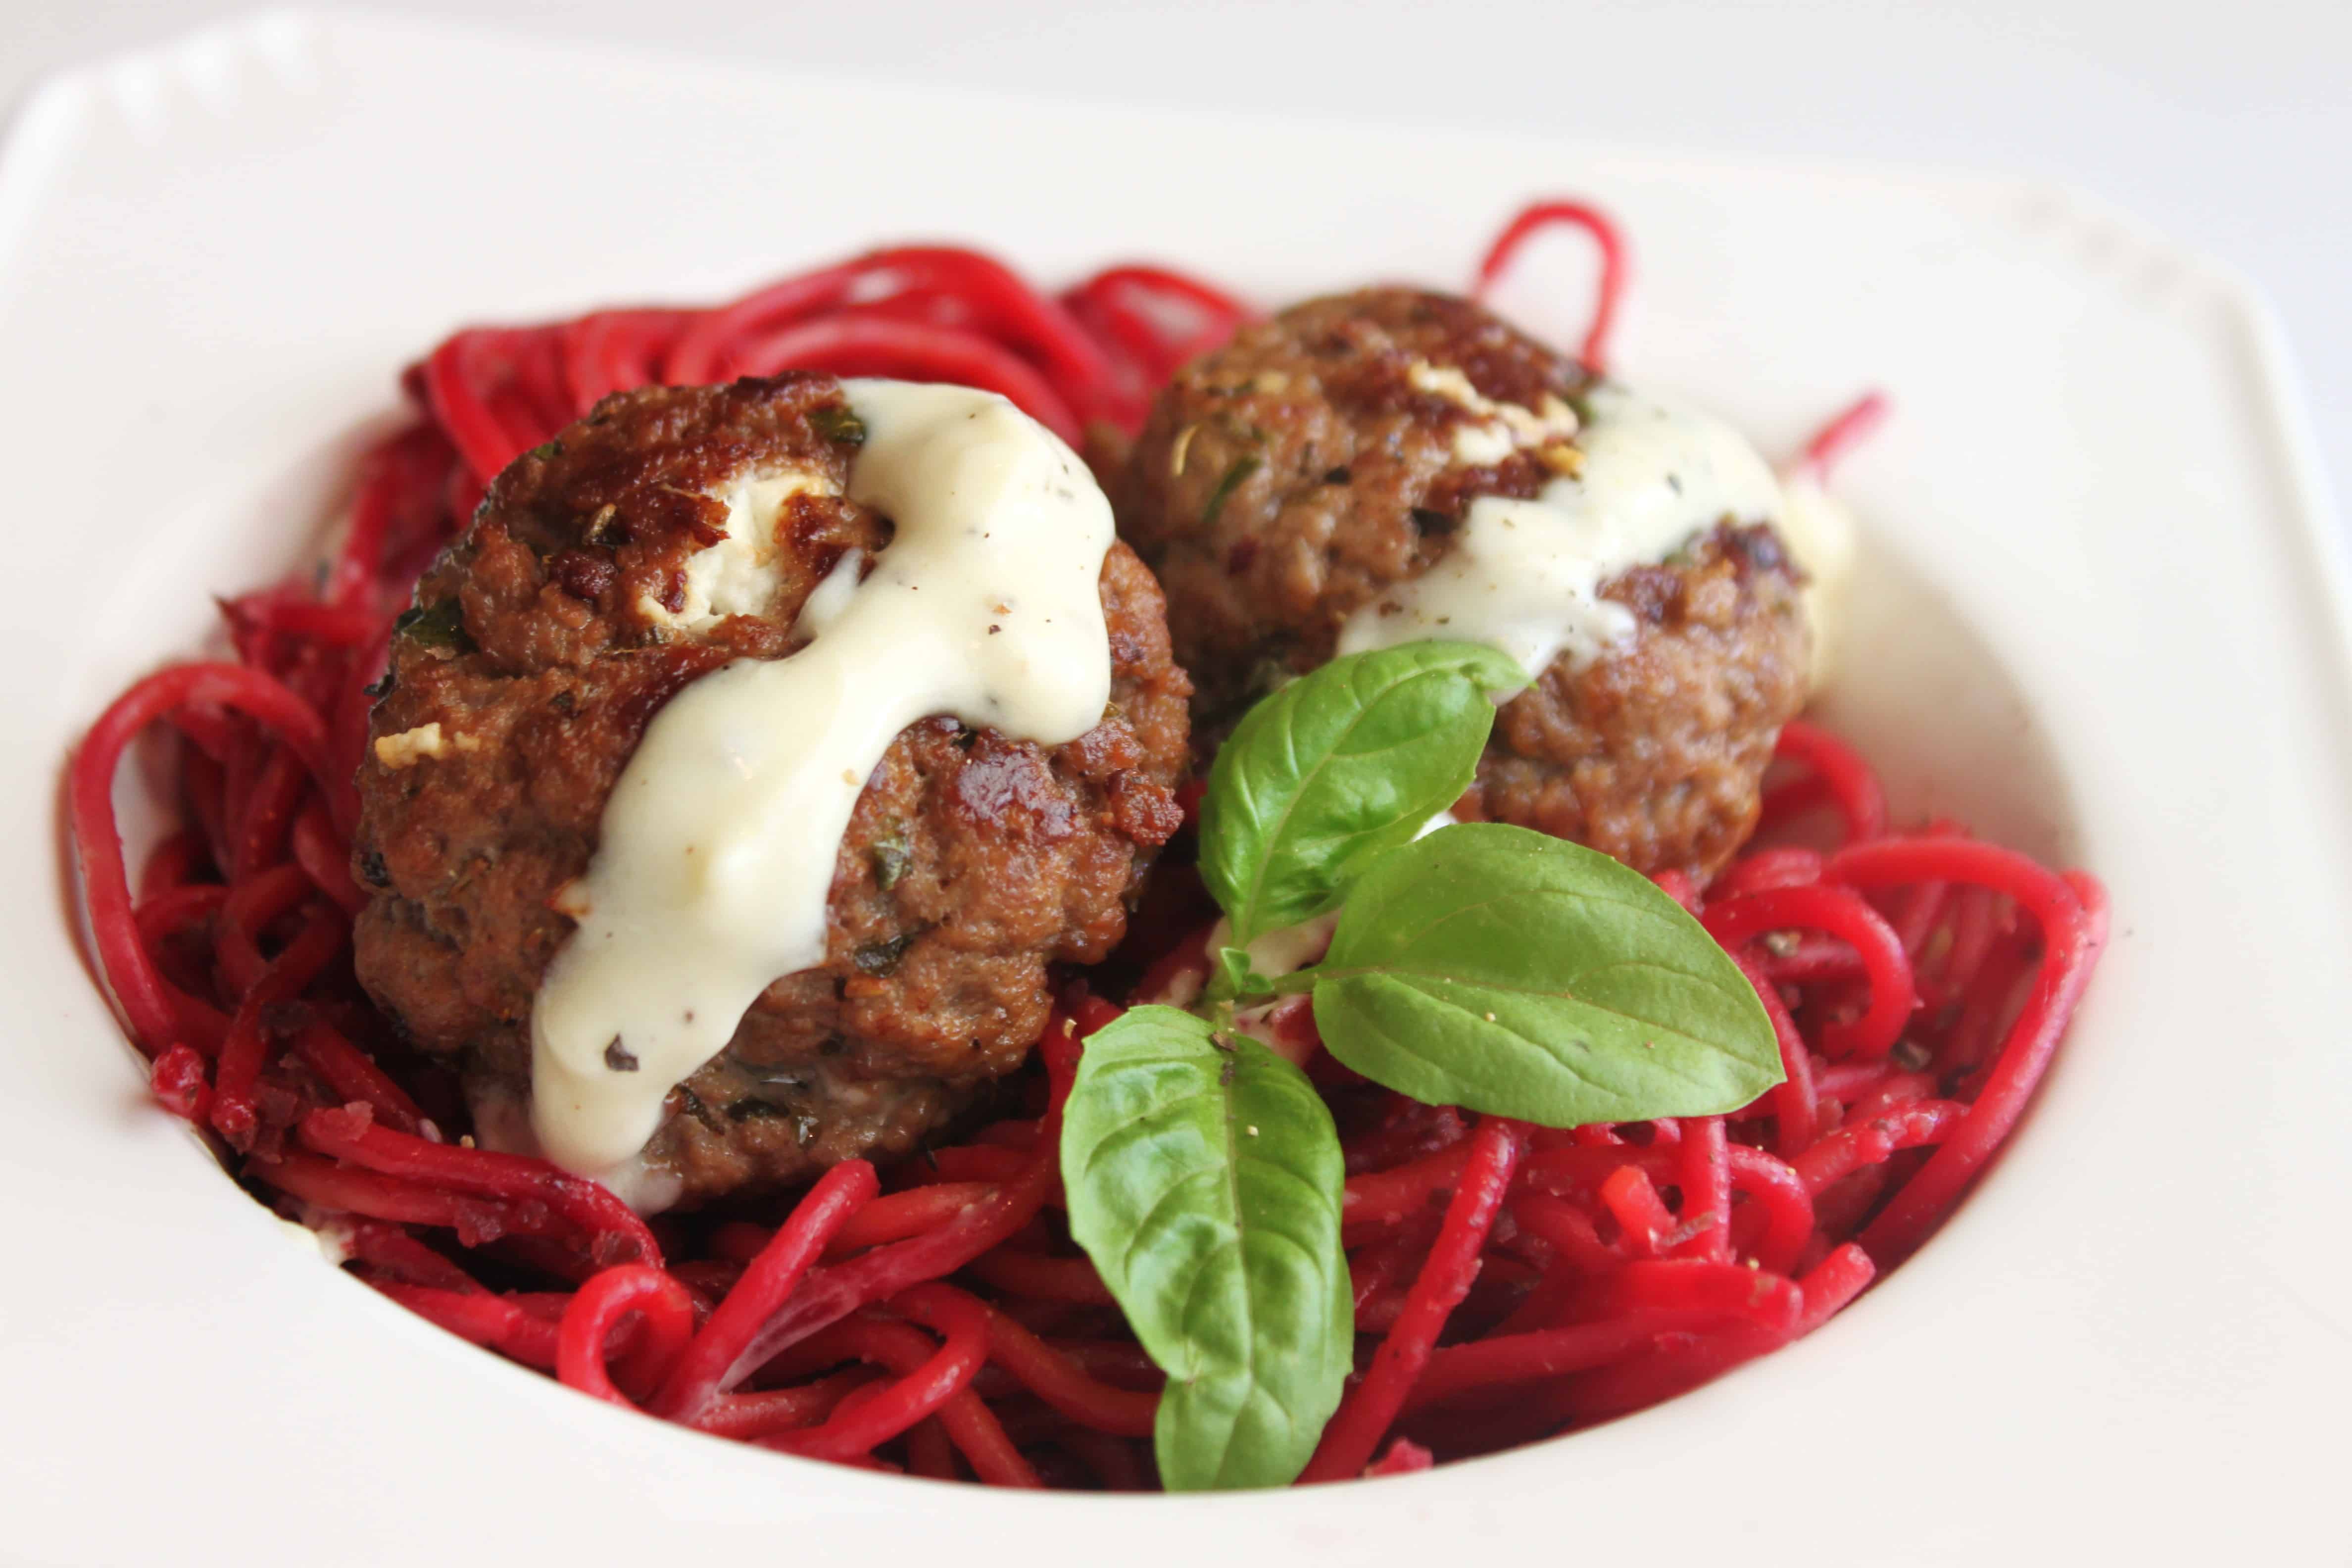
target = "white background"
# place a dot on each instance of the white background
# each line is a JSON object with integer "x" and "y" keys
{"x": 2227, "y": 124}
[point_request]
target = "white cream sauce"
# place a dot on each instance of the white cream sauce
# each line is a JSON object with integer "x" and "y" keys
{"x": 720, "y": 840}
{"x": 1819, "y": 531}
{"x": 1525, "y": 576}
{"x": 1285, "y": 950}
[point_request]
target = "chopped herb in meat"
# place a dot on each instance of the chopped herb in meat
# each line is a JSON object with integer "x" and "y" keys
{"x": 838, "y": 424}
{"x": 440, "y": 624}
{"x": 880, "y": 958}
{"x": 1240, "y": 470}
{"x": 890, "y": 858}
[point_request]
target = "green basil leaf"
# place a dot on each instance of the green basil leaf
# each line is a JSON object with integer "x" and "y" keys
{"x": 1234, "y": 977}
{"x": 1512, "y": 972}
{"x": 1337, "y": 766}
{"x": 1203, "y": 1176}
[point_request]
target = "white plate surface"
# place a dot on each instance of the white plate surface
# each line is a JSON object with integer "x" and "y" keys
{"x": 2105, "y": 621}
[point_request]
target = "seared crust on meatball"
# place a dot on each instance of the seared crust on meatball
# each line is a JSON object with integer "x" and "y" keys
{"x": 544, "y": 642}
{"x": 1329, "y": 454}
{"x": 1653, "y": 755}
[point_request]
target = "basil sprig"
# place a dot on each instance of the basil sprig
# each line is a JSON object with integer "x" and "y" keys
{"x": 1512, "y": 973}
{"x": 1204, "y": 1176}
{"x": 1480, "y": 965}
{"x": 1337, "y": 766}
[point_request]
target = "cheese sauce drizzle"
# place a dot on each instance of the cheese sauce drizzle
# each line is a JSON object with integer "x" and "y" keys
{"x": 720, "y": 840}
{"x": 1525, "y": 576}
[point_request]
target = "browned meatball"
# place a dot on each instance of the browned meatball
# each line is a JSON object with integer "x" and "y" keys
{"x": 1293, "y": 476}
{"x": 546, "y": 639}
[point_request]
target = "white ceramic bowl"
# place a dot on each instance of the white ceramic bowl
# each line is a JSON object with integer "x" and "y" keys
{"x": 2102, "y": 618}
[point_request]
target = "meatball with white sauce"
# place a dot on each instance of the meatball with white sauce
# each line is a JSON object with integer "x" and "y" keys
{"x": 668, "y": 534}
{"x": 1390, "y": 465}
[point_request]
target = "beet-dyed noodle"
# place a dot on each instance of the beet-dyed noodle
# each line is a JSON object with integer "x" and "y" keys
{"x": 1615, "y": 267}
{"x": 1841, "y": 436}
{"x": 1510, "y": 1283}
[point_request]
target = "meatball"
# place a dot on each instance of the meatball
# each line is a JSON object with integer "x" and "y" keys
{"x": 545, "y": 640}
{"x": 1328, "y": 454}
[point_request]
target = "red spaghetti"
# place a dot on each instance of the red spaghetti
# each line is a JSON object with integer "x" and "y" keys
{"x": 1510, "y": 1283}
{"x": 1615, "y": 267}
